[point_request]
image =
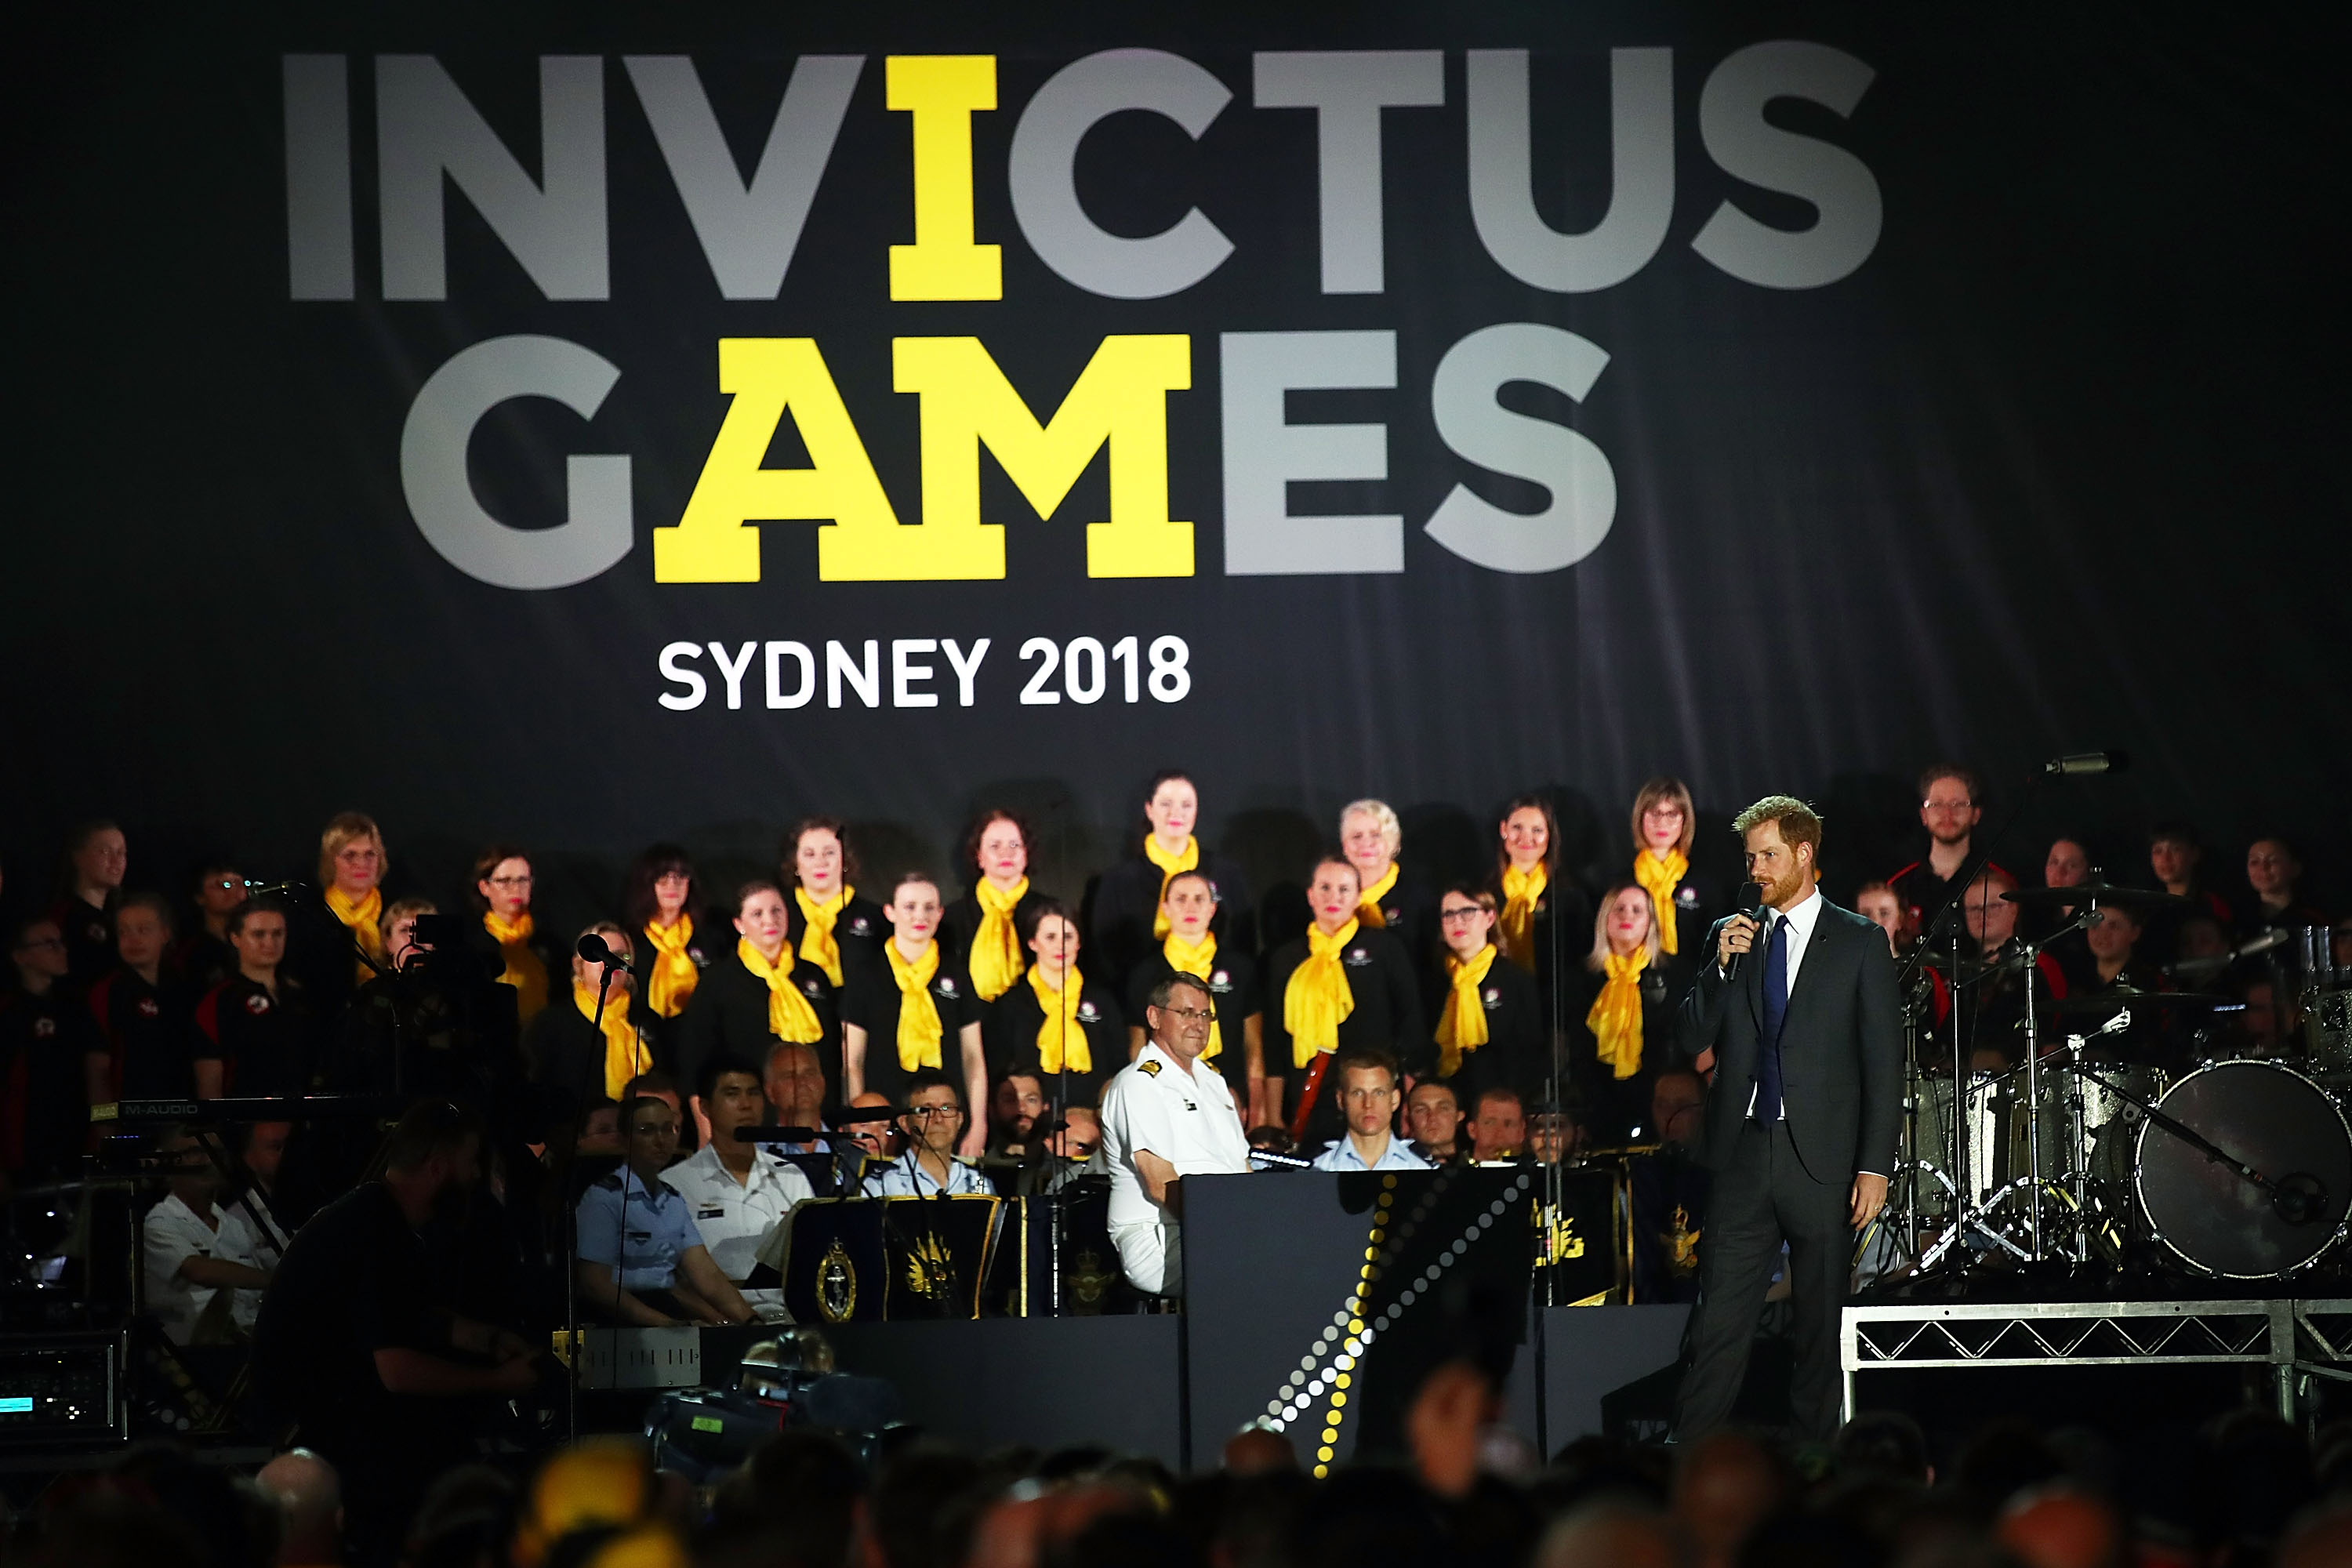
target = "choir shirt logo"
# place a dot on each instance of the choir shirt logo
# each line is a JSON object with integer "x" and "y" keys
{"x": 946, "y": 986}
{"x": 95, "y": 931}
{"x": 1089, "y": 1014}
{"x": 1492, "y": 997}
{"x": 1219, "y": 980}
{"x": 44, "y": 1027}
{"x": 1357, "y": 958}
{"x": 1686, "y": 896}
{"x": 148, "y": 1009}
{"x": 859, "y": 926}
{"x": 257, "y": 1003}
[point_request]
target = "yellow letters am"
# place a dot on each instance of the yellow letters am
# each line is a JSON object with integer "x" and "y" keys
{"x": 1119, "y": 398}
{"x": 863, "y": 540}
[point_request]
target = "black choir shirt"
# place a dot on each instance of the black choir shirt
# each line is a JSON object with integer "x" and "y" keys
{"x": 961, "y": 922}
{"x": 1009, "y": 1035}
{"x": 44, "y": 1083}
{"x": 1612, "y": 1106}
{"x": 204, "y": 961}
{"x": 871, "y": 1001}
{"x": 1232, "y": 982}
{"x": 321, "y": 952}
{"x": 1514, "y": 1055}
{"x": 859, "y": 930}
{"x": 1409, "y": 909}
{"x": 729, "y": 1012}
{"x": 353, "y": 1281}
{"x": 148, "y": 1032}
{"x": 712, "y": 941}
{"x": 266, "y": 1044}
{"x": 566, "y": 1051}
{"x": 1127, "y": 907}
{"x": 1387, "y": 1015}
{"x": 89, "y": 932}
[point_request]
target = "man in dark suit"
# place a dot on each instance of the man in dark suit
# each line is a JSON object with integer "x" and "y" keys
{"x": 1801, "y": 1125}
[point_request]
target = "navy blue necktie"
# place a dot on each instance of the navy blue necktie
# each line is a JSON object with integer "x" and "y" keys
{"x": 1776, "y": 1010}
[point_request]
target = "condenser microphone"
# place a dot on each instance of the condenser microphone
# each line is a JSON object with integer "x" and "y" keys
{"x": 1751, "y": 895}
{"x": 2076, "y": 763}
{"x": 592, "y": 948}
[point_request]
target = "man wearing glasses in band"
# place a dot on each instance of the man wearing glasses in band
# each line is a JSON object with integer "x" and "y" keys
{"x": 1163, "y": 1119}
{"x": 933, "y": 1123}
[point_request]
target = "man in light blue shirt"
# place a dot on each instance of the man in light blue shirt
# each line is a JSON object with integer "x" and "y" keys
{"x": 933, "y": 1123}
{"x": 641, "y": 1260}
{"x": 1367, "y": 1100}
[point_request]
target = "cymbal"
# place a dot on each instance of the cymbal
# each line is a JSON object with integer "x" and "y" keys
{"x": 2095, "y": 893}
{"x": 2125, "y": 996}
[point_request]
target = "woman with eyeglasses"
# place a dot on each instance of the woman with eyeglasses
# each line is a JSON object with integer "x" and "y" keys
{"x": 510, "y": 940}
{"x": 1490, "y": 1028}
{"x": 1665, "y": 823}
{"x": 1129, "y": 924}
{"x": 203, "y": 958}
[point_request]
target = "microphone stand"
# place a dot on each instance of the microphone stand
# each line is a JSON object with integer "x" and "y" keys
{"x": 1555, "y": 1195}
{"x": 1061, "y": 1118}
{"x": 572, "y": 1245}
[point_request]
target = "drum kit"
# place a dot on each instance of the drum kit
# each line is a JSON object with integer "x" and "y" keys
{"x": 2129, "y": 1138}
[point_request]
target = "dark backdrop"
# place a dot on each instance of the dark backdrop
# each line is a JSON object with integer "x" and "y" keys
{"x": 2059, "y": 467}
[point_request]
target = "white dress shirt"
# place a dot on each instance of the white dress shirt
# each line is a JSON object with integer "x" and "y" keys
{"x": 735, "y": 1218}
{"x": 241, "y": 1242}
{"x": 1800, "y": 919}
{"x": 171, "y": 1234}
{"x": 1188, "y": 1119}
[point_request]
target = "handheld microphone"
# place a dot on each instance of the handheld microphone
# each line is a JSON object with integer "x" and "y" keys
{"x": 2075, "y": 762}
{"x": 592, "y": 948}
{"x": 1751, "y": 894}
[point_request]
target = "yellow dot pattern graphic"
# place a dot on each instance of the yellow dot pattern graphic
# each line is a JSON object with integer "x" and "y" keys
{"x": 1353, "y": 1346}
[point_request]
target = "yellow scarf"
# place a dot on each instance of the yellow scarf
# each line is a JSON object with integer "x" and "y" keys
{"x": 524, "y": 972}
{"x": 919, "y": 1016}
{"x": 1461, "y": 1021}
{"x": 672, "y": 978}
{"x": 1515, "y": 931}
{"x": 790, "y": 1017}
{"x": 1367, "y": 907}
{"x": 1197, "y": 961}
{"x": 1318, "y": 999}
{"x": 816, "y": 940}
{"x": 1659, "y": 879}
{"x": 1061, "y": 1009}
{"x": 624, "y": 1054}
{"x": 1615, "y": 1019}
{"x": 1189, "y": 860}
{"x": 361, "y": 920}
{"x": 996, "y": 946}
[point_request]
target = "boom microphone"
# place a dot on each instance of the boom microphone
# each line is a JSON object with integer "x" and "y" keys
{"x": 2075, "y": 762}
{"x": 1752, "y": 894}
{"x": 592, "y": 948}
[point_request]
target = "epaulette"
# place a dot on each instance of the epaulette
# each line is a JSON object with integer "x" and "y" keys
{"x": 1148, "y": 1067}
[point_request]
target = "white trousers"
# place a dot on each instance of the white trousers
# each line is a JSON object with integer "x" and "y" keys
{"x": 1152, "y": 1254}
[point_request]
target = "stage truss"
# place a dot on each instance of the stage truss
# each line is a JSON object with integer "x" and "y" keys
{"x": 2299, "y": 1340}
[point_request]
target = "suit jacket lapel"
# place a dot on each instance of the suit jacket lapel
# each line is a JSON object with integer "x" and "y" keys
{"x": 1807, "y": 972}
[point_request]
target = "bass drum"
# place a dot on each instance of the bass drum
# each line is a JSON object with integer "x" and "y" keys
{"x": 2263, "y": 1115}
